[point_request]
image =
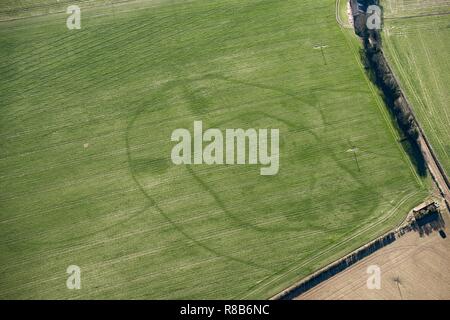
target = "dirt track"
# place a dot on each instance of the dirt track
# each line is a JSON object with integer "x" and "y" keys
{"x": 433, "y": 167}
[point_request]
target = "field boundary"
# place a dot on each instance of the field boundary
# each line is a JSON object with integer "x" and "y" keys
{"x": 387, "y": 238}
{"x": 345, "y": 262}
{"x": 443, "y": 182}
{"x": 111, "y": 5}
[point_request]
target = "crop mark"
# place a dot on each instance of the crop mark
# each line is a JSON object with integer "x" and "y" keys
{"x": 154, "y": 204}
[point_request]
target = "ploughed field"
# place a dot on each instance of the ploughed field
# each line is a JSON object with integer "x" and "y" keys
{"x": 86, "y": 173}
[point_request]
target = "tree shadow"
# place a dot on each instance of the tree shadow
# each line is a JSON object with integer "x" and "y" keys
{"x": 409, "y": 143}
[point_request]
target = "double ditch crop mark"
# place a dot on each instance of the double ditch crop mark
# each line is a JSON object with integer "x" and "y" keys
{"x": 293, "y": 266}
{"x": 217, "y": 199}
{"x": 292, "y": 126}
{"x": 155, "y": 205}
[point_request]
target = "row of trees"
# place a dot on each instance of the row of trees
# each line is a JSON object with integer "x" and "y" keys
{"x": 381, "y": 74}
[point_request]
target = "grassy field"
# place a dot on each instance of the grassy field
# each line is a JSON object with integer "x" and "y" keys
{"x": 86, "y": 176}
{"x": 410, "y": 8}
{"x": 17, "y": 9}
{"x": 419, "y": 50}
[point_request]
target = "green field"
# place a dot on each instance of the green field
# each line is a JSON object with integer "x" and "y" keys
{"x": 419, "y": 50}
{"x": 410, "y": 8}
{"x": 86, "y": 175}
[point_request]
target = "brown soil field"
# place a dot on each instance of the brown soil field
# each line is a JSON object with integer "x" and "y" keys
{"x": 412, "y": 267}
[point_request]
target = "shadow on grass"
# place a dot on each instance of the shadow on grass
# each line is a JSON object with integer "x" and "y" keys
{"x": 410, "y": 144}
{"x": 415, "y": 154}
